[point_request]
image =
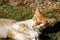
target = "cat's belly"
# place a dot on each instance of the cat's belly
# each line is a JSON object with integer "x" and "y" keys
{"x": 21, "y": 36}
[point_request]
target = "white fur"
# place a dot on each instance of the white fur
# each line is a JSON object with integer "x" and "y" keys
{"x": 20, "y": 36}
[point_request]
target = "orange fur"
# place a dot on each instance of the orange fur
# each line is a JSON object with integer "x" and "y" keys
{"x": 38, "y": 18}
{"x": 4, "y": 22}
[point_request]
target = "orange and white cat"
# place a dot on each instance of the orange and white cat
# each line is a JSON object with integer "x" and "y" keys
{"x": 23, "y": 30}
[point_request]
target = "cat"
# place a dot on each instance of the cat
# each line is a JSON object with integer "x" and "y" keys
{"x": 24, "y": 30}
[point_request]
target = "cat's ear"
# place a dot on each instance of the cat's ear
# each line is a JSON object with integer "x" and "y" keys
{"x": 37, "y": 12}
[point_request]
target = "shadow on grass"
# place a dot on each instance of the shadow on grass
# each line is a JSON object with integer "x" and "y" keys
{"x": 54, "y": 29}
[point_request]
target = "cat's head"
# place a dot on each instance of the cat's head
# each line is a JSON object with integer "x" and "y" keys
{"x": 41, "y": 21}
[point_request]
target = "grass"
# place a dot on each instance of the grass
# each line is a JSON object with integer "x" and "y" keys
{"x": 18, "y": 12}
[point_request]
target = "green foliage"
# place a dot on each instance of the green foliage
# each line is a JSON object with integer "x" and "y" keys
{"x": 52, "y": 13}
{"x": 55, "y": 36}
{"x": 15, "y": 12}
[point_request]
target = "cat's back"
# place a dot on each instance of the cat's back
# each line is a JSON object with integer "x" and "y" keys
{"x": 4, "y": 22}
